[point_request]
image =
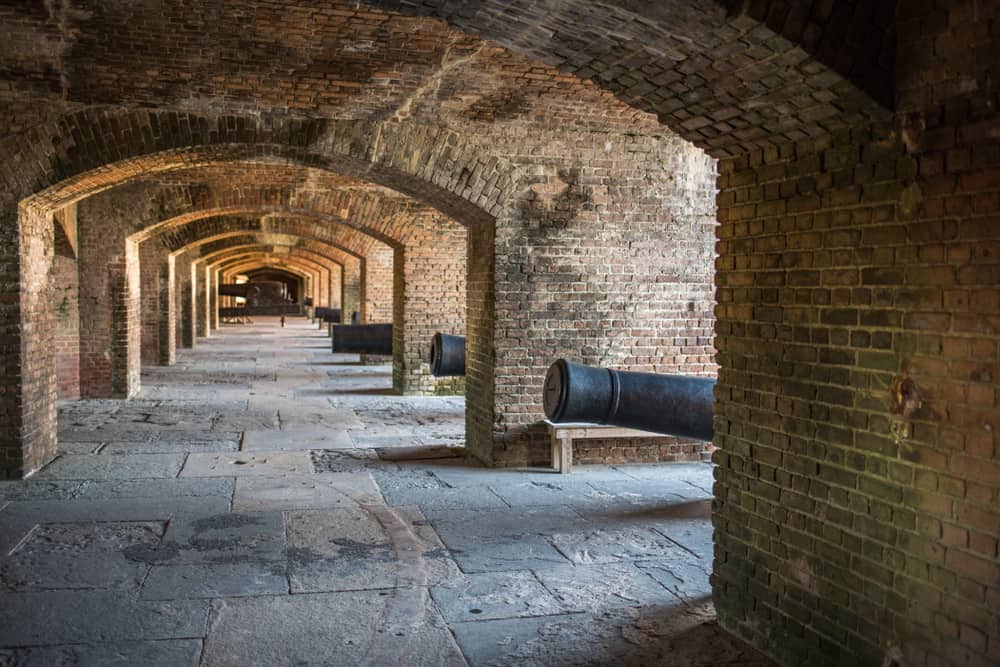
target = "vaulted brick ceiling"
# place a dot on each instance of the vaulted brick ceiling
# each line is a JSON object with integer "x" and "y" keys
{"x": 720, "y": 72}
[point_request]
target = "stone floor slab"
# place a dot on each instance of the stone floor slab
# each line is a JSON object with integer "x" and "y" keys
{"x": 242, "y": 464}
{"x": 162, "y": 653}
{"x": 497, "y": 554}
{"x": 611, "y": 546}
{"x": 359, "y": 549}
{"x": 138, "y": 466}
{"x": 334, "y": 490}
{"x": 156, "y": 488}
{"x": 66, "y": 617}
{"x": 215, "y": 580}
{"x": 223, "y": 538}
{"x": 297, "y": 439}
{"x": 170, "y": 446}
{"x": 495, "y": 595}
{"x": 607, "y": 586}
{"x": 79, "y": 556}
{"x": 329, "y": 629}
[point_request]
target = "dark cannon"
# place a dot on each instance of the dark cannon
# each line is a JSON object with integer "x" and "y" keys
{"x": 328, "y": 314}
{"x": 232, "y": 289}
{"x": 670, "y": 404}
{"x": 447, "y": 355}
{"x": 292, "y": 309}
{"x": 363, "y": 338}
{"x": 308, "y": 301}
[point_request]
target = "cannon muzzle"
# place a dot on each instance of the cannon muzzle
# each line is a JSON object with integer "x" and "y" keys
{"x": 677, "y": 405}
{"x": 447, "y": 355}
{"x": 363, "y": 338}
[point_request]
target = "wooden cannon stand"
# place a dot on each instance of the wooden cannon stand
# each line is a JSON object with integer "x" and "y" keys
{"x": 563, "y": 436}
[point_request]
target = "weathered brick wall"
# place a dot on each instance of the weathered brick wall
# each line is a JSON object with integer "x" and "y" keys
{"x": 429, "y": 297}
{"x": 29, "y": 385}
{"x": 124, "y": 293}
{"x": 183, "y": 301}
{"x": 153, "y": 266}
{"x": 66, "y": 306}
{"x": 200, "y": 276}
{"x": 377, "y": 286}
{"x": 858, "y": 485}
{"x": 335, "y": 287}
{"x": 605, "y": 259}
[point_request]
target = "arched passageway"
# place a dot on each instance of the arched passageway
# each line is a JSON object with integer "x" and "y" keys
{"x": 797, "y": 196}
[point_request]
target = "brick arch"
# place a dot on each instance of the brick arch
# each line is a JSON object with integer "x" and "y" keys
{"x": 253, "y": 255}
{"x": 182, "y": 232}
{"x": 89, "y": 151}
{"x": 214, "y": 251}
{"x": 730, "y": 76}
{"x": 281, "y": 189}
{"x": 361, "y": 278}
{"x": 207, "y": 248}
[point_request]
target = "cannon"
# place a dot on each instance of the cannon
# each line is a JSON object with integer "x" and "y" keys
{"x": 308, "y": 301}
{"x": 447, "y": 355}
{"x": 670, "y": 404}
{"x": 363, "y": 338}
{"x": 328, "y": 314}
{"x": 233, "y": 289}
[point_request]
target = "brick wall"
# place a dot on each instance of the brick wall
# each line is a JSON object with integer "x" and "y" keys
{"x": 334, "y": 289}
{"x": 183, "y": 301}
{"x": 377, "y": 286}
{"x": 858, "y": 482}
{"x": 153, "y": 265}
{"x": 605, "y": 259}
{"x": 66, "y": 306}
{"x": 429, "y": 291}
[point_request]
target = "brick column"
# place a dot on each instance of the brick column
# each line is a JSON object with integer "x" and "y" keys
{"x": 199, "y": 276}
{"x": 28, "y": 386}
{"x": 168, "y": 312}
{"x": 429, "y": 296}
{"x": 109, "y": 315}
{"x": 153, "y": 258}
{"x": 184, "y": 302}
{"x": 213, "y": 297}
{"x": 350, "y": 292}
{"x": 336, "y": 280}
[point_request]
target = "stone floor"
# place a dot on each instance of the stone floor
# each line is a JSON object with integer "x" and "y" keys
{"x": 259, "y": 504}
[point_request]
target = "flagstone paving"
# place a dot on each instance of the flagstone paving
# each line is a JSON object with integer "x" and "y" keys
{"x": 264, "y": 502}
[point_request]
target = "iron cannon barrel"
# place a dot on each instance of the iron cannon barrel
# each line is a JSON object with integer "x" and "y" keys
{"x": 328, "y": 314}
{"x": 447, "y": 355}
{"x": 677, "y": 405}
{"x": 363, "y": 338}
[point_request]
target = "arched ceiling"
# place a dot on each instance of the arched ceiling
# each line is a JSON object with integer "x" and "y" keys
{"x": 719, "y": 72}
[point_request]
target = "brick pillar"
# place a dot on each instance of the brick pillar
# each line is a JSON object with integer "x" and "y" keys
{"x": 350, "y": 292}
{"x": 428, "y": 296}
{"x": 479, "y": 351}
{"x": 377, "y": 285}
{"x": 167, "y": 316}
{"x": 199, "y": 276}
{"x": 153, "y": 257}
{"x": 213, "y": 297}
{"x": 126, "y": 332}
{"x": 184, "y": 302}
{"x": 109, "y": 313}
{"x": 28, "y": 387}
{"x": 336, "y": 280}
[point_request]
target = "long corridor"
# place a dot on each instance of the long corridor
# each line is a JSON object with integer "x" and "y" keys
{"x": 267, "y": 502}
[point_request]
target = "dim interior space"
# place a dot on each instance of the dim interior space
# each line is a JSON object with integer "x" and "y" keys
{"x": 497, "y": 333}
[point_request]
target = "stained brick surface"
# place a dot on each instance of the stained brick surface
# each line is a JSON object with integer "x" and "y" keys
{"x": 543, "y": 176}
